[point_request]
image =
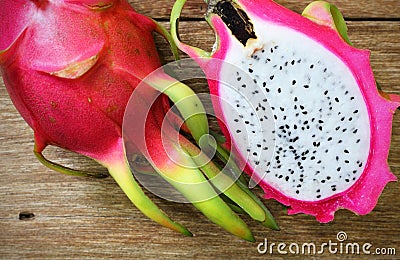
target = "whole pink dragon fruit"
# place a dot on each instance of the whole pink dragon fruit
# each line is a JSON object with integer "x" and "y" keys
{"x": 298, "y": 104}
{"x": 70, "y": 67}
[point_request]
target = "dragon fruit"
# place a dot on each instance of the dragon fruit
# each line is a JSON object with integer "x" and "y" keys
{"x": 70, "y": 67}
{"x": 298, "y": 104}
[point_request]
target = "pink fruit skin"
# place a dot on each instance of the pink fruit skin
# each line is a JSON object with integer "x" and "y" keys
{"x": 80, "y": 108}
{"x": 362, "y": 197}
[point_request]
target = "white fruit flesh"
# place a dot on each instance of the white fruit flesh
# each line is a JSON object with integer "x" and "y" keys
{"x": 295, "y": 112}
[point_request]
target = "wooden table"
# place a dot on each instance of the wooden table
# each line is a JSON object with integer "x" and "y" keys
{"x": 87, "y": 218}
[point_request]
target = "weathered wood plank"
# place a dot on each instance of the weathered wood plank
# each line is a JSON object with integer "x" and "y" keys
{"x": 86, "y": 218}
{"x": 359, "y": 9}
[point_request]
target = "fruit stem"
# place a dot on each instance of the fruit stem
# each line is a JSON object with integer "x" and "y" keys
{"x": 174, "y": 21}
{"x": 63, "y": 169}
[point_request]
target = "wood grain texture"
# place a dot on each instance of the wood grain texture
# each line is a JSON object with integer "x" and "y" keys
{"x": 359, "y": 9}
{"x": 87, "y": 218}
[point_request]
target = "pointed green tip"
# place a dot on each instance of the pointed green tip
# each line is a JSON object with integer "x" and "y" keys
{"x": 185, "y": 232}
{"x": 270, "y": 223}
{"x": 251, "y": 238}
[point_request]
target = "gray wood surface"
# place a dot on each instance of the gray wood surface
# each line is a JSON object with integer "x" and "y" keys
{"x": 87, "y": 218}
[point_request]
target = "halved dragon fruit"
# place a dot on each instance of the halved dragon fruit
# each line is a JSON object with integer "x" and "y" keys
{"x": 298, "y": 104}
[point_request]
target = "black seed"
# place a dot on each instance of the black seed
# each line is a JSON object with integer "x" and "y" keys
{"x": 297, "y": 191}
{"x": 306, "y": 86}
{"x": 329, "y": 138}
{"x": 311, "y": 66}
{"x": 287, "y": 178}
{"x": 320, "y": 121}
{"x": 293, "y": 82}
{"x": 238, "y": 131}
{"x": 272, "y": 77}
{"x": 279, "y": 90}
{"x": 250, "y": 70}
{"x": 358, "y": 140}
{"x": 355, "y": 131}
{"x": 325, "y": 69}
{"x": 267, "y": 89}
{"x": 264, "y": 84}
{"x": 323, "y": 181}
{"x": 295, "y": 99}
{"x": 320, "y": 128}
{"x": 293, "y": 61}
{"x": 337, "y": 128}
{"x": 244, "y": 86}
{"x": 347, "y": 180}
{"x": 326, "y": 92}
{"x": 351, "y": 98}
{"x": 342, "y": 119}
{"x": 336, "y": 99}
{"x": 346, "y": 161}
{"x": 239, "y": 78}
{"x": 337, "y": 158}
{"x": 346, "y": 151}
{"x": 355, "y": 111}
{"x": 338, "y": 169}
